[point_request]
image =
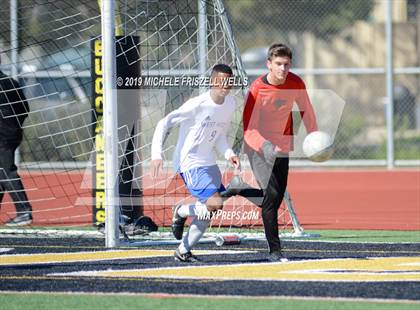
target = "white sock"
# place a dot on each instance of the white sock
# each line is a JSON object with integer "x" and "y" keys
{"x": 194, "y": 234}
{"x": 184, "y": 211}
{"x": 197, "y": 209}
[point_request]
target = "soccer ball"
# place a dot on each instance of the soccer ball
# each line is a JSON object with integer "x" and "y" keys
{"x": 318, "y": 146}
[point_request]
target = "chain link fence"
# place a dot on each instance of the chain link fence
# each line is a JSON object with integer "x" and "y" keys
{"x": 341, "y": 46}
{"x": 338, "y": 45}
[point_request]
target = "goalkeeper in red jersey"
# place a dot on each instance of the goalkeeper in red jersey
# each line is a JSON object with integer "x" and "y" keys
{"x": 268, "y": 135}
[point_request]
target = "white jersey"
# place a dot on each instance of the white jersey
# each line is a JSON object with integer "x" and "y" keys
{"x": 203, "y": 126}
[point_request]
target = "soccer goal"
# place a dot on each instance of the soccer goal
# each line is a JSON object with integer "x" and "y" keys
{"x": 98, "y": 77}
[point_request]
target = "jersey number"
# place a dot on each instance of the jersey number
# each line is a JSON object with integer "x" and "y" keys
{"x": 213, "y": 134}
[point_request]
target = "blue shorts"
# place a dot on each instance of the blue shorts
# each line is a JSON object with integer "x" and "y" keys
{"x": 203, "y": 182}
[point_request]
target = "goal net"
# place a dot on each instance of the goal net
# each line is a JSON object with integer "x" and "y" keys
{"x": 53, "y": 48}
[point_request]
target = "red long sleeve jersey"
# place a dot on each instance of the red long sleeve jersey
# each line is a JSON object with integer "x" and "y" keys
{"x": 268, "y": 112}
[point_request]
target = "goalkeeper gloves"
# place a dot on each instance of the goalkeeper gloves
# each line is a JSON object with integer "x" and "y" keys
{"x": 269, "y": 152}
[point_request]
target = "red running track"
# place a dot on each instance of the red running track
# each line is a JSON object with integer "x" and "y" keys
{"x": 323, "y": 199}
{"x": 357, "y": 199}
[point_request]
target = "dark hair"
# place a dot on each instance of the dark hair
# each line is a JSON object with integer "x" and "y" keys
{"x": 222, "y": 68}
{"x": 279, "y": 50}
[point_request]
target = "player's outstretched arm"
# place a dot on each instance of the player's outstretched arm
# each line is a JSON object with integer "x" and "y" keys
{"x": 251, "y": 116}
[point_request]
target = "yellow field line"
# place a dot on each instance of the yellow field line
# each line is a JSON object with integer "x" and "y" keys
{"x": 51, "y": 258}
{"x": 377, "y": 269}
{"x": 24, "y": 259}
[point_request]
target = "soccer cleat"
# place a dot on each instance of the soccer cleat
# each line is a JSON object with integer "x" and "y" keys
{"x": 185, "y": 258}
{"x": 177, "y": 223}
{"x": 277, "y": 257}
{"x": 234, "y": 187}
{"x": 20, "y": 220}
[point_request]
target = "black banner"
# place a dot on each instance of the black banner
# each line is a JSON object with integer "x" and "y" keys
{"x": 128, "y": 66}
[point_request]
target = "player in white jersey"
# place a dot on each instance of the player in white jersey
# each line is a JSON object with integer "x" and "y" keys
{"x": 203, "y": 122}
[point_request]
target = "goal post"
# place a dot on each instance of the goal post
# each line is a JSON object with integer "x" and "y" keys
{"x": 184, "y": 39}
{"x": 71, "y": 73}
{"x": 110, "y": 120}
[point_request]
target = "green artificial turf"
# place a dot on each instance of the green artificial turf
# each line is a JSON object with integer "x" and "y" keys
{"x": 366, "y": 236}
{"x": 56, "y": 301}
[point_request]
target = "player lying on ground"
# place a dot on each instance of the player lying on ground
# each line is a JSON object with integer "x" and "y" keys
{"x": 203, "y": 121}
{"x": 268, "y": 136}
